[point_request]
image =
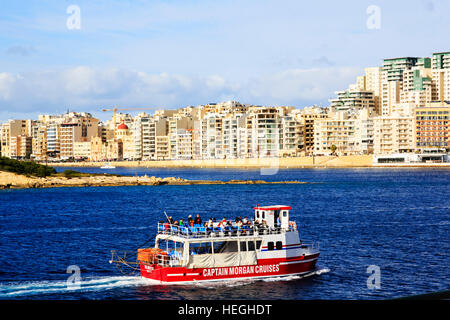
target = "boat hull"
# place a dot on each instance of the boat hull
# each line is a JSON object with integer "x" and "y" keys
{"x": 263, "y": 269}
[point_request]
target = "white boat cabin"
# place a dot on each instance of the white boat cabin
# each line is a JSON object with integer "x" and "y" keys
{"x": 274, "y": 216}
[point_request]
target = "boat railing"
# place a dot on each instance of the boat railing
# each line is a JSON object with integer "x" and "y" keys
{"x": 198, "y": 231}
{"x": 130, "y": 259}
{"x": 310, "y": 246}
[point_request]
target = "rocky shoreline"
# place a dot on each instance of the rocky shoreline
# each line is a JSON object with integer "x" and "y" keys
{"x": 15, "y": 181}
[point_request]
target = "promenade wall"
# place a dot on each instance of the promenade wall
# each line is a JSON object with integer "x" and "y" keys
{"x": 268, "y": 163}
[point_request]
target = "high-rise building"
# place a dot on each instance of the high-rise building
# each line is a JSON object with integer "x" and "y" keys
{"x": 441, "y": 76}
{"x": 394, "y": 133}
{"x": 432, "y": 124}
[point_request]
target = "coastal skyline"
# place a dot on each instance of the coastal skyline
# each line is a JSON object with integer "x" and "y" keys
{"x": 168, "y": 55}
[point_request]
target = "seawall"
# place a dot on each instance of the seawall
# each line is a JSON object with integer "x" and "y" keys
{"x": 268, "y": 163}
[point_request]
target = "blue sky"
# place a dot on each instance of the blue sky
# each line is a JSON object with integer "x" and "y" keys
{"x": 169, "y": 54}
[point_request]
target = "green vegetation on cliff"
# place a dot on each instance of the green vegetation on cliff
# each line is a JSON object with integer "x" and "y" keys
{"x": 28, "y": 168}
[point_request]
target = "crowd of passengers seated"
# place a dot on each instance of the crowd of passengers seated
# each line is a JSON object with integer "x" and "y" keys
{"x": 211, "y": 225}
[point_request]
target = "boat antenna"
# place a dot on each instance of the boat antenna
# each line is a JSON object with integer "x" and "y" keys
{"x": 168, "y": 220}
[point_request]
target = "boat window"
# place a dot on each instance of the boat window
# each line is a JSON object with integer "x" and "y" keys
{"x": 251, "y": 246}
{"x": 263, "y": 215}
{"x": 200, "y": 248}
{"x": 258, "y": 244}
{"x": 284, "y": 213}
{"x": 270, "y": 245}
{"x": 257, "y": 214}
{"x": 279, "y": 245}
{"x": 225, "y": 246}
{"x": 218, "y": 245}
{"x": 243, "y": 246}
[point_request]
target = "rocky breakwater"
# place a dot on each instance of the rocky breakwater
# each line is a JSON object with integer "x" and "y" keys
{"x": 10, "y": 180}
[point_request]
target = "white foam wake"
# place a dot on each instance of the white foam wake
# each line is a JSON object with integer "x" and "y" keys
{"x": 88, "y": 284}
{"x": 298, "y": 276}
{"x": 241, "y": 282}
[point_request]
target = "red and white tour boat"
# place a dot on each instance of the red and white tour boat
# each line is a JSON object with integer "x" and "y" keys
{"x": 267, "y": 246}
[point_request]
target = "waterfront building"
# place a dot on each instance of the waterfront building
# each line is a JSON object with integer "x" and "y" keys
{"x": 82, "y": 150}
{"x": 432, "y": 124}
{"x": 305, "y": 120}
{"x": 292, "y": 136}
{"x": 344, "y": 133}
{"x": 265, "y": 131}
{"x": 76, "y": 127}
{"x": 52, "y": 140}
{"x": 162, "y": 147}
{"x": 127, "y": 139}
{"x": 11, "y": 130}
{"x": 39, "y": 141}
{"x": 20, "y": 147}
{"x": 394, "y": 133}
{"x": 180, "y": 138}
{"x": 98, "y": 149}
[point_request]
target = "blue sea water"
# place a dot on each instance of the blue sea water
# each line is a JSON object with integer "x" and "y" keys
{"x": 396, "y": 219}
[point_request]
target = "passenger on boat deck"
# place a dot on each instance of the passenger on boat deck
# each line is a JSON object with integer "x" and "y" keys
{"x": 191, "y": 223}
{"x": 264, "y": 224}
{"x": 189, "y": 219}
{"x": 181, "y": 223}
{"x": 171, "y": 220}
{"x": 239, "y": 223}
{"x": 223, "y": 222}
{"x": 197, "y": 219}
{"x": 245, "y": 221}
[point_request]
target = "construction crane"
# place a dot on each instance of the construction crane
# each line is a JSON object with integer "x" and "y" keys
{"x": 116, "y": 108}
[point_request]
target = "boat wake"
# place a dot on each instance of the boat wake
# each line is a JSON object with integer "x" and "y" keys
{"x": 42, "y": 288}
{"x": 297, "y": 277}
{"x": 60, "y": 287}
{"x": 241, "y": 282}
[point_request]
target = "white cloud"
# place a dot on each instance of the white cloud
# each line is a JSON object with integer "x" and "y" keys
{"x": 88, "y": 89}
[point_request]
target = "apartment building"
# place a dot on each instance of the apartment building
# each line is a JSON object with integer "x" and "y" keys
{"x": 394, "y": 133}
{"x": 432, "y": 124}
{"x": 441, "y": 76}
{"x": 82, "y": 150}
{"x": 180, "y": 138}
{"x": 354, "y": 99}
{"x": 20, "y": 147}
{"x": 76, "y": 127}
{"x": 344, "y": 133}
{"x": 11, "y": 130}
{"x": 305, "y": 120}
